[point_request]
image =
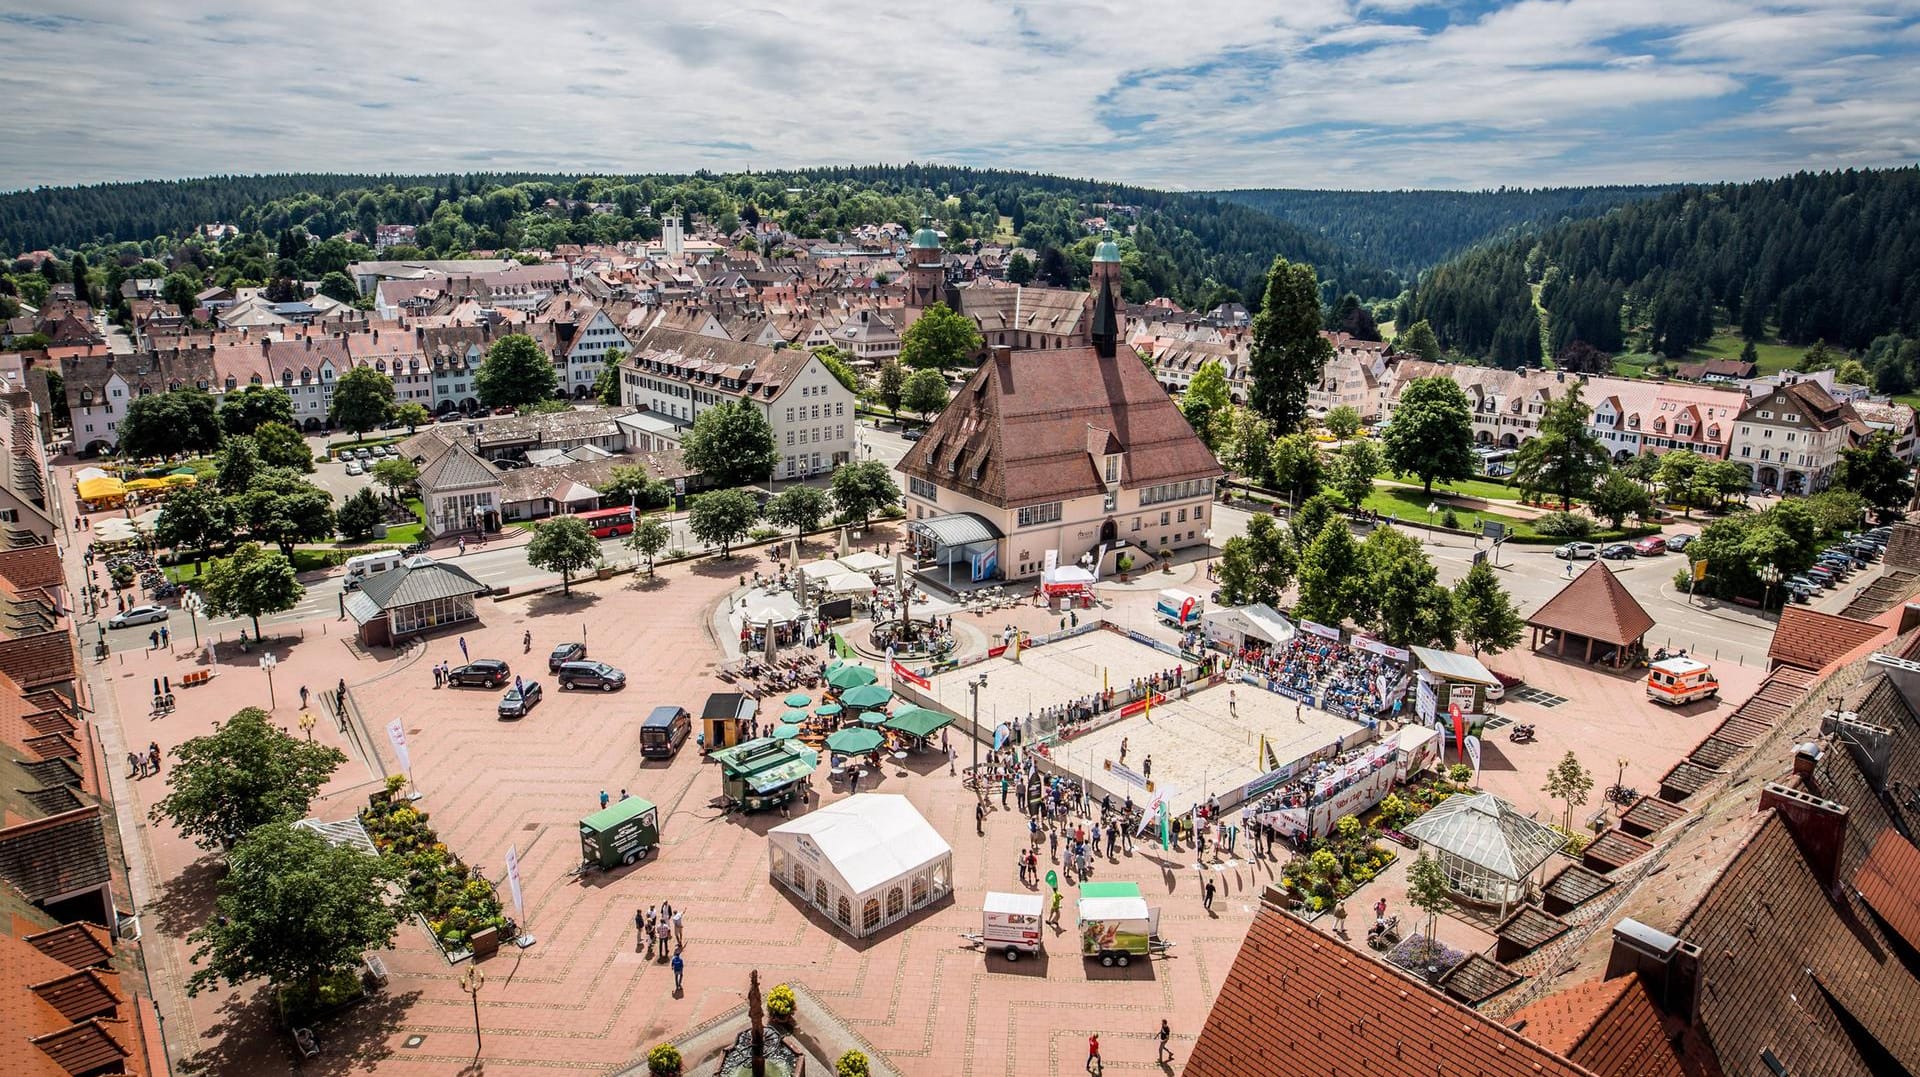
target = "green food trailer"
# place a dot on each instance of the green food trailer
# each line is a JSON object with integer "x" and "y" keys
{"x": 764, "y": 773}
{"x": 620, "y": 833}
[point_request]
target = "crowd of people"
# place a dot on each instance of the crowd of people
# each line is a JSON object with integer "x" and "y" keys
{"x": 1300, "y": 791}
{"x": 1343, "y": 679}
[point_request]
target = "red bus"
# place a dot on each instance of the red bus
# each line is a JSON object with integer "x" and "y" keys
{"x": 606, "y": 523}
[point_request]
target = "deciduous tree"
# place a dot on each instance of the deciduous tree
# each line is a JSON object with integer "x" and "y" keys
{"x": 282, "y": 508}
{"x": 1330, "y": 576}
{"x": 362, "y": 399}
{"x": 1206, "y": 403}
{"x": 253, "y": 581}
{"x": 650, "y": 536}
{"x": 940, "y": 338}
{"x": 1402, "y": 599}
{"x": 515, "y": 373}
{"x": 1256, "y": 566}
{"x": 862, "y": 489}
{"x": 1342, "y": 421}
{"x": 1876, "y": 474}
{"x": 925, "y": 393}
{"x": 891, "y": 384}
{"x": 247, "y": 408}
{"x": 799, "y": 507}
{"x": 195, "y": 518}
{"x": 359, "y": 514}
{"x": 1352, "y": 470}
{"x": 1565, "y": 456}
{"x": 1571, "y": 784}
{"x": 1431, "y": 435}
{"x": 245, "y": 774}
{"x": 723, "y": 517}
{"x": 1427, "y": 890}
{"x": 396, "y": 473}
{"x": 1296, "y": 466}
{"x": 160, "y": 424}
{"x": 411, "y": 415}
{"x": 1485, "y": 612}
{"x": 564, "y": 545}
{"x": 1419, "y": 340}
{"x": 1618, "y": 497}
{"x": 281, "y": 445}
{"x": 731, "y": 444}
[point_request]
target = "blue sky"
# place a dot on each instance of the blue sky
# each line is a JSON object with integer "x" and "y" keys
{"x": 1192, "y": 94}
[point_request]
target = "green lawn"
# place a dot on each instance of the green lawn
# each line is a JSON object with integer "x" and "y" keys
{"x": 1726, "y": 344}
{"x": 304, "y": 560}
{"x": 408, "y": 534}
{"x": 1487, "y": 488}
{"x": 1409, "y": 505}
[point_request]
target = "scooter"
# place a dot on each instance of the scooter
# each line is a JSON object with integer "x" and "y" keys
{"x": 1521, "y": 734}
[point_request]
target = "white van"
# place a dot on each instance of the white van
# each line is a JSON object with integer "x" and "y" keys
{"x": 370, "y": 564}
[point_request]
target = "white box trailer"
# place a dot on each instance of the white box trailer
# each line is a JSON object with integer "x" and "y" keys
{"x": 1179, "y": 609}
{"x": 1010, "y": 923}
{"x": 1118, "y": 929}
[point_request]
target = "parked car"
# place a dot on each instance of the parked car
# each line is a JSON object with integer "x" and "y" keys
{"x": 1618, "y": 551}
{"x": 138, "y": 615}
{"x": 1826, "y": 576}
{"x": 486, "y": 673}
{"x": 590, "y": 675}
{"x": 1575, "y": 551}
{"x": 1679, "y": 543}
{"x": 518, "y": 701}
{"x": 354, "y": 468}
{"x": 913, "y": 435}
{"x": 570, "y": 651}
{"x": 1651, "y": 545}
{"x": 382, "y": 451}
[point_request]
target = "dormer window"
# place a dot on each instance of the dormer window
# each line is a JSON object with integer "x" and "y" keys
{"x": 232, "y": 383}
{"x": 286, "y": 377}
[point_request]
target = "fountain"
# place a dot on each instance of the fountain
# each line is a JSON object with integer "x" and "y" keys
{"x": 757, "y": 1052}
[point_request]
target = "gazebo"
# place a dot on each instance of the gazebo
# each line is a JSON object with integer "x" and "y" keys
{"x": 1487, "y": 849}
{"x": 1595, "y": 608}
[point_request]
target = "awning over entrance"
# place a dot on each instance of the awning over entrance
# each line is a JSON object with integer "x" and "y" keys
{"x": 966, "y": 538}
{"x": 955, "y": 529}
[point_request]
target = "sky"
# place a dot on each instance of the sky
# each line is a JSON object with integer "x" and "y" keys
{"x": 1189, "y": 94}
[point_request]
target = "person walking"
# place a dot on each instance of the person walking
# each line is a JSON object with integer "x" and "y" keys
{"x": 1206, "y": 896}
{"x": 1053, "y": 913}
{"x": 604, "y": 799}
{"x": 1146, "y": 767}
{"x": 526, "y": 642}
{"x": 1166, "y": 1033}
{"x": 679, "y": 969}
{"x": 1094, "y": 1064}
{"x": 1123, "y": 749}
{"x": 1233, "y": 703}
{"x": 303, "y": 697}
{"x": 166, "y": 638}
{"x": 640, "y": 927}
{"x": 679, "y": 939}
{"x": 463, "y": 650}
{"x": 1340, "y": 918}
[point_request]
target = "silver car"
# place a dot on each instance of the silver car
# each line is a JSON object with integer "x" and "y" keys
{"x": 138, "y": 615}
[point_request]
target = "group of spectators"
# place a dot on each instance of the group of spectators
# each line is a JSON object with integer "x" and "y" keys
{"x": 1343, "y": 679}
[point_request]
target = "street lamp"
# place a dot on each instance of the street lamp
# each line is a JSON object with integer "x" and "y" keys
{"x": 306, "y": 723}
{"x": 471, "y": 981}
{"x": 1769, "y": 575}
{"x": 973, "y": 689}
{"x": 193, "y": 604}
{"x": 267, "y": 662}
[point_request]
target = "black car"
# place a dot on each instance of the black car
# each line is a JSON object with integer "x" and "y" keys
{"x": 486, "y": 673}
{"x": 1619, "y": 551}
{"x": 571, "y": 651}
{"x": 590, "y": 675}
{"x": 520, "y": 699}
{"x": 1676, "y": 543}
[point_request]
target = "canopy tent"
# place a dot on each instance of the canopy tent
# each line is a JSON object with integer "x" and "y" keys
{"x": 867, "y": 696}
{"x": 851, "y": 676}
{"x": 1487, "y": 848}
{"x": 772, "y": 610}
{"x": 143, "y": 485}
{"x": 101, "y": 488}
{"x": 855, "y": 740}
{"x": 917, "y": 721}
{"x": 867, "y": 561}
{"x": 846, "y": 583}
{"x": 180, "y": 478}
{"x": 1257, "y": 625}
{"x": 1066, "y": 580}
{"x": 866, "y": 861}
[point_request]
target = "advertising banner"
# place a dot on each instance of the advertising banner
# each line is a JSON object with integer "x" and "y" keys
{"x": 1374, "y": 646}
{"x": 1321, "y": 630}
{"x": 397, "y": 734}
{"x": 513, "y": 883}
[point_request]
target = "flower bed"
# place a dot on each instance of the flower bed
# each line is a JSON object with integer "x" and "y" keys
{"x": 1416, "y": 953}
{"x": 454, "y": 900}
{"x": 1336, "y": 866}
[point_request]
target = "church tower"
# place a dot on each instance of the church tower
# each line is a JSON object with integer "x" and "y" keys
{"x": 672, "y": 238}
{"x": 926, "y": 269}
{"x": 1106, "y": 266}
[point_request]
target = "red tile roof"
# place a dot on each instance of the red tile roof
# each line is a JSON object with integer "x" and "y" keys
{"x": 1298, "y": 1002}
{"x": 1813, "y": 640}
{"x": 1595, "y": 605}
{"x": 32, "y": 568}
{"x": 40, "y": 659}
{"x": 1890, "y": 882}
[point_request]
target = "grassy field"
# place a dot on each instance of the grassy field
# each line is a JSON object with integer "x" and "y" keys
{"x": 1003, "y": 235}
{"x": 1409, "y": 505}
{"x": 1726, "y": 344}
{"x": 304, "y": 560}
{"x": 366, "y": 443}
{"x": 1492, "y": 491}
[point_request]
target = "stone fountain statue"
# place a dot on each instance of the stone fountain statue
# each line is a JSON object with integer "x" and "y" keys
{"x": 757, "y": 1014}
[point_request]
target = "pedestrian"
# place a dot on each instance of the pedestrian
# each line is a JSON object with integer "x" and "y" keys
{"x": 463, "y": 547}
{"x": 463, "y": 650}
{"x": 1053, "y": 844}
{"x": 526, "y": 642}
{"x": 1340, "y": 918}
{"x": 1123, "y": 749}
{"x": 1233, "y": 702}
{"x": 1166, "y": 1033}
{"x": 153, "y": 760}
{"x": 1146, "y": 767}
{"x": 1053, "y": 913}
{"x": 133, "y": 765}
{"x": 980, "y": 818}
{"x": 153, "y": 640}
{"x": 341, "y": 692}
{"x": 1206, "y": 900}
{"x": 166, "y": 638}
{"x": 1296, "y": 713}
{"x": 853, "y": 781}
{"x": 679, "y": 968}
{"x": 1094, "y": 1064}
{"x": 678, "y": 939}
{"x": 603, "y": 798}
{"x": 952, "y": 760}
{"x": 663, "y": 929}
{"x": 1380, "y": 910}
{"x": 640, "y": 925}
{"x": 624, "y": 794}
{"x": 303, "y": 697}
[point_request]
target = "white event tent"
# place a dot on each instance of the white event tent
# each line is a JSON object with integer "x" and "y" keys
{"x": 865, "y": 861}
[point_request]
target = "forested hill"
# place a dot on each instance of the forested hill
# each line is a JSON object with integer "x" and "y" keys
{"x": 1194, "y": 248}
{"x": 1410, "y": 231}
{"x": 1831, "y": 256}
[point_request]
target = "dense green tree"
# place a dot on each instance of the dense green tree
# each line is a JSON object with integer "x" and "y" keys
{"x": 1721, "y": 480}
{"x": 650, "y": 535}
{"x": 840, "y": 365}
{"x": 1287, "y": 352}
{"x": 634, "y": 485}
{"x": 1342, "y": 421}
{"x": 249, "y": 583}
{"x": 1419, "y": 340}
{"x": 180, "y": 290}
{"x": 1313, "y": 514}
{"x": 337, "y": 285}
{"x": 1431, "y": 434}
{"x": 564, "y": 545}
{"x": 285, "y": 509}
{"x": 1565, "y": 456}
{"x": 1675, "y": 475}
{"x": 1295, "y": 465}
{"x": 1246, "y": 444}
{"x": 245, "y": 774}
{"x": 1206, "y": 402}
{"x": 1402, "y": 599}
{"x": 515, "y": 373}
{"x": 363, "y": 399}
{"x": 281, "y": 445}
{"x": 1882, "y": 479}
{"x": 196, "y": 518}
{"x": 1256, "y": 566}
{"x": 723, "y": 517}
{"x": 890, "y": 385}
{"x": 177, "y": 421}
{"x": 1352, "y": 469}
{"x": 1486, "y": 616}
{"x": 939, "y": 339}
{"x": 799, "y": 507}
{"x": 606, "y": 384}
{"x": 862, "y": 489}
{"x": 731, "y": 444}
{"x": 243, "y": 410}
{"x": 237, "y": 465}
{"x": 1618, "y": 497}
{"x": 1331, "y": 576}
{"x": 1787, "y": 536}
{"x": 82, "y": 280}
{"x": 1019, "y": 270}
{"x": 411, "y": 416}
{"x": 359, "y": 514}
{"x": 396, "y": 473}
{"x": 924, "y": 393}
{"x": 292, "y": 908}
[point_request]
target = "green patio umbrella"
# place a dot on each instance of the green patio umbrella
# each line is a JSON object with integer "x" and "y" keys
{"x": 851, "y": 676}
{"x": 786, "y": 732}
{"x": 917, "y": 721}
{"x": 855, "y": 741}
{"x": 835, "y": 664}
{"x": 872, "y": 717}
{"x": 828, "y": 710}
{"x": 799, "y": 699}
{"x": 794, "y": 717}
{"x": 867, "y": 696}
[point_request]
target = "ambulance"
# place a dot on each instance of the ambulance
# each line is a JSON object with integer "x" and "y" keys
{"x": 1679, "y": 681}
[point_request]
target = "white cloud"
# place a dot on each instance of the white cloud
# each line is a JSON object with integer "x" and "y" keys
{"x": 1208, "y": 93}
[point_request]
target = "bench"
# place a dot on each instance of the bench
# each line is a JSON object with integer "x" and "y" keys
{"x": 303, "y": 1040}
{"x": 376, "y": 969}
{"x": 1750, "y": 603}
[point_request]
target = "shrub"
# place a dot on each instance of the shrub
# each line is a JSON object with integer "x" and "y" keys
{"x": 664, "y": 1060}
{"x": 762, "y": 534}
{"x": 852, "y": 1064}
{"x": 1124, "y": 563}
{"x": 1393, "y": 811}
{"x": 780, "y": 1003}
{"x": 1460, "y": 773}
{"x": 1450, "y": 520}
{"x": 1564, "y": 525}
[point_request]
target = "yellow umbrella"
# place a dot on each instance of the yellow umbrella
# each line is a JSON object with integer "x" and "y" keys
{"x": 181, "y": 480}
{"x": 146, "y": 484}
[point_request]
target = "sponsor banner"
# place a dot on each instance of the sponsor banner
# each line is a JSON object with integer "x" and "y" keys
{"x": 397, "y": 735}
{"x": 1321, "y": 630}
{"x": 1126, "y": 774}
{"x": 1374, "y": 646}
{"x": 1139, "y": 705}
{"x": 1461, "y": 696}
{"x": 1473, "y": 753}
{"x": 983, "y": 565}
{"x": 513, "y": 882}
{"x": 910, "y": 676}
{"x": 1052, "y": 562}
{"x": 1426, "y": 703}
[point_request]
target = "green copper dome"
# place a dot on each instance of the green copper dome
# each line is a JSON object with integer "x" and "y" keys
{"x": 926, "y": 239}
{"x": 1108, "y": 250}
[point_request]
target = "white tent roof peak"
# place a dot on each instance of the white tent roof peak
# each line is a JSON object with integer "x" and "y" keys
{"x": 868, "y": 839}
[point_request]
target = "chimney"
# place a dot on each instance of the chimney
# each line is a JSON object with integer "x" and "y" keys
{"x": 1806, "y": 757}
{"x": 1871, "y": 745}
{"x": 1669, "y": 967}
{"x": 1818, "y": 826}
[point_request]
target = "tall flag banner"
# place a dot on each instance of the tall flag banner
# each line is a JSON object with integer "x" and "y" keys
{"x": 1166, "y": 827}
{"x": 1459, "y": 726}
{"x": 513, "y": 883}
{"x": 397, "y": 734}
{"x": 1473, "y": 752}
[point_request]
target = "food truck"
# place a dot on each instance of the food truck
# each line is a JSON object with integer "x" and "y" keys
{"x": 1116, "y": 924}
{"x": 1677, "y": 681}
{"x": 1010, "y": 923}
{"x": 1179, "y": 609}
{"x": 619, "y": 833}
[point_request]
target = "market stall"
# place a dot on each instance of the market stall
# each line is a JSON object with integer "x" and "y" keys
{"x": 764, "y": 773}
{"x": 724, "y": 717}
{"x": 1256, "y": 627}
{"x": 865, "y": 862}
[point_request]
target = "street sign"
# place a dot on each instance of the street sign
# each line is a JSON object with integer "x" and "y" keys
{"x": 1700, "y": 570}
{"x": 1479, "y": 557}
{"x": 1493, "y": 529}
